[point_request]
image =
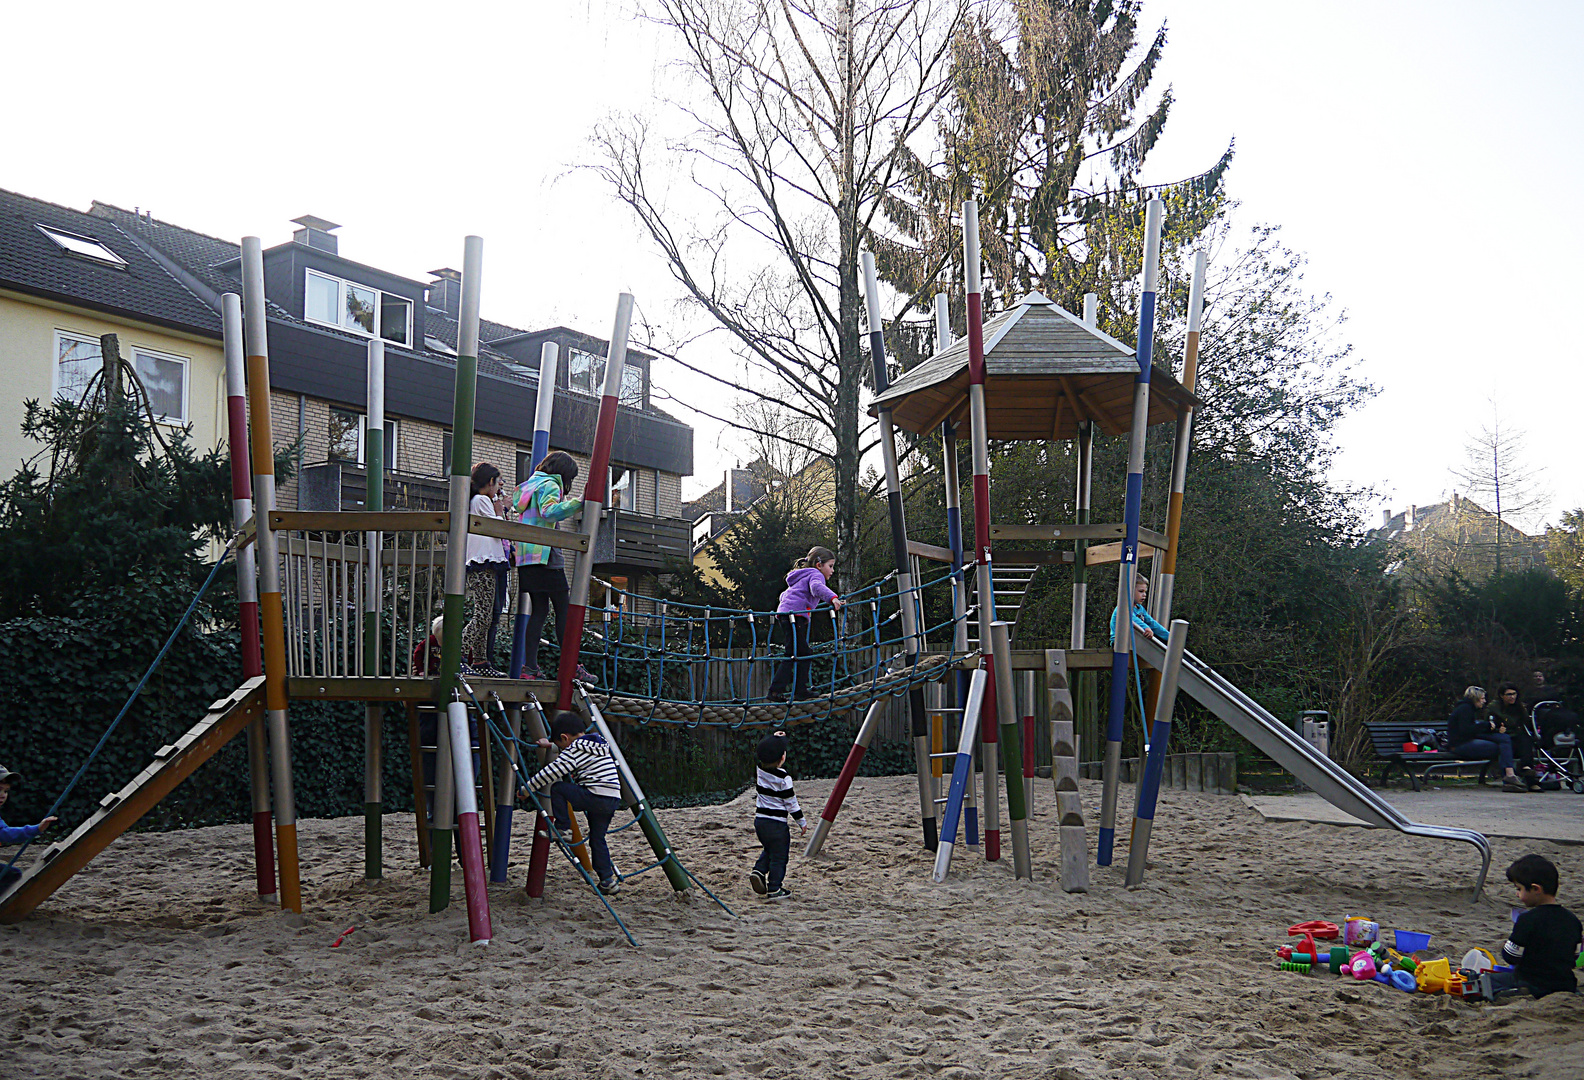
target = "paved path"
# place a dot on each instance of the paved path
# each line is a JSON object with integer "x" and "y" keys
{"x": 1549, "y": 815}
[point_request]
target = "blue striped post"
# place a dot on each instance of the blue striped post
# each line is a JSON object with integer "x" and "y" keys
{"x": 962, "y": 772}
{"x": 1160, "y": 734}
{"x": 1122, "y": 647}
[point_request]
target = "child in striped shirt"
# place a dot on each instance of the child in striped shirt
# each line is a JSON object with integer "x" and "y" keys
{"x": 776, "y": 802}
{"x": 582, "y": 776}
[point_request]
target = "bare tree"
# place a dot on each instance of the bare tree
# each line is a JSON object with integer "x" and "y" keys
{"x": 1495, "y": 473}
{"x": 801, "y": 109}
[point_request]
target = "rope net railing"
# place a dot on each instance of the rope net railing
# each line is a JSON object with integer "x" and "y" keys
{"x": 696, "y": 664}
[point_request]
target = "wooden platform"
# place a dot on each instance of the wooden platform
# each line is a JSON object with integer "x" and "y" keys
{"x": 419, "y": 690}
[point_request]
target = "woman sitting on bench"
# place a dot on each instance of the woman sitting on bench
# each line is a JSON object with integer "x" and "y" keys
{"x": 1474, "y": 736}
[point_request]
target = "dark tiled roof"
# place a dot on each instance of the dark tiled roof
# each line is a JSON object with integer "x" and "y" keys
{"x": 31, "y": 262}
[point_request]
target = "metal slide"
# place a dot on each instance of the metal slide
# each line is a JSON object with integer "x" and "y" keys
{"x": 118, "y": 810}
{"x": 1280, "y": 743}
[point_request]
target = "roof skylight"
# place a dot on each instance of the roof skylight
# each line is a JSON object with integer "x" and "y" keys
{"x": 85, "y": 246}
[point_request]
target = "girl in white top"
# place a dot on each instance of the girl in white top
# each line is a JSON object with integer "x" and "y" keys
{"x": 487, "y": 576}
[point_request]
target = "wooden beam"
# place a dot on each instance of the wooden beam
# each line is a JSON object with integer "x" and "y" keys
{"x": 929, "y": 551}
{"x": 1110, "y": 553}
{"x": 479, "y": 525}
{"x": 1034, "y": 660}
{"x": 360, "y": 520}
{"x": 1100, "y": 413}
{"x": 1032, "y": 558}
{"x": 248, "y": 533}
{"x": 1056, "y": 419}
{"x": 953, "y": 403}
{"x": 1093, "y": 531}
{"x": 419, "y": 691}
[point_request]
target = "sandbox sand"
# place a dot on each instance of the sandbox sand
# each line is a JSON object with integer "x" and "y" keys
{"x": 158, "y": 961}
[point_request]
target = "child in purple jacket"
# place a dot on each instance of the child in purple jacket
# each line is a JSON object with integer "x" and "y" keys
{"x": 805, "y": 591}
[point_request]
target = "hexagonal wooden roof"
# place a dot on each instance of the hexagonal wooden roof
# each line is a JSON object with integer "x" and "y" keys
{"x": 1045, "y": 371}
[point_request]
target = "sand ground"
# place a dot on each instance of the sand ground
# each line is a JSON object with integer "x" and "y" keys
{"x": 159, "y": 961}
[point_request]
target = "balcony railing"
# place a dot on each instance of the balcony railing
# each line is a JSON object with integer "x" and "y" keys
{"x": 341, "y": 485}
{"x": 650, "y": 542}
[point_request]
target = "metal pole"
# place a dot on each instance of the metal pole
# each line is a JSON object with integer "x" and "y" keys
{"x": 247, "y": 587}
{"x": 543, "y": 412}
{"x": 647, "y": 822}
{"x": 954, "y": 540}
{"x": 978, "y": 430}
{"x": 1027, "y": 712}
{"x": 907, "y": 599}
{"x": 1180, "y": 447}
{"x": 1006, "y": 707}
{"x": 1080, "y": 601}
{"x": 1160, "y": 734}
{"x": 962, "y": 772}
{"x": 594, "y": 492}
{"x": 1123, "y": 646}
{"x": 506, "y": 798}
{"x": 373, "y": 599}
{"x": 271, "y": 609}
{"x": 467, "y": 814}
{"x": 849, "y": 769}
{"x": 456, "y": 540}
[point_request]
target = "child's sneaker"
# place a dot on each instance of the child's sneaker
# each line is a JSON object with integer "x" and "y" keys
{"x": 783, "y": 893}
{"x": 584, "y": 677}
{"x": 487, "y": 672}
{"x": 531, "y": 673}
{"x": 610, "y": 886}
{"x": 756, "y": 882}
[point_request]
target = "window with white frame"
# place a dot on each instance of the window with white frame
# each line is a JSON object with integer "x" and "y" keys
{"x": 621, "y": 489}
{"x": 85, "y": 246}
{"x": 586, "y": 372}
{"x": 362, "y": 309}
{"x": 346, "y": 442}
{"x": 164, "y": 376}
{"x": 77, "y": 358}
{"x": 164, "y": 379}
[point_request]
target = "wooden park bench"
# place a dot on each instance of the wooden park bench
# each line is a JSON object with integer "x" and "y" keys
{"x": 1387, "y": 738}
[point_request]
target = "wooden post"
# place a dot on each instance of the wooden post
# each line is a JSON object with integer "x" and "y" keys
{"x": 420, "y": 797}
{"x": 247, "y": 588}
{"x": 1122, "y": 647}
{"x": 1064, "y": 772}
{"x": 1006, "y": 698}
{"x": 272, "y": 610}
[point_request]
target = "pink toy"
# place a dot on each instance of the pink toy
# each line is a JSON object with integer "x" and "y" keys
{"x": 1359, "y": 932}
{"x": 1362, "y": 966}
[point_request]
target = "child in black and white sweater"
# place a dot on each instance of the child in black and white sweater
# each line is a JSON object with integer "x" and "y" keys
{"x": 774, "y": 807}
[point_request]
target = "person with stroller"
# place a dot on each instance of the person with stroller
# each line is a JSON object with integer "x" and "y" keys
{"x": 1474, "y": 735}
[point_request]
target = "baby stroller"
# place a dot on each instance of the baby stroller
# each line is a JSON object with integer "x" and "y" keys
{"x": 1559, "y": 759}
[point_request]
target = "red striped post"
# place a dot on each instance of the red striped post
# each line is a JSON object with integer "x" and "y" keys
{"x": 583, "y": 565}
{"x": 469, "y": 847}
{"x": 247, "y": 587}
{"x": 978, "y": 430}
{"x": 855, "y": 756}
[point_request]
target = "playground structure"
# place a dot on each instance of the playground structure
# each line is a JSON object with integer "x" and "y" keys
{"x": 344, "y": 600}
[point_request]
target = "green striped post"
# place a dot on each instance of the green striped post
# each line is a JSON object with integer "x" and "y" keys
{"x": 374, "y": 716}
{"x": 456, "y": 545}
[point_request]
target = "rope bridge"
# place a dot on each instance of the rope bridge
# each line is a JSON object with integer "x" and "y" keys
{"x": 693, "y": 664}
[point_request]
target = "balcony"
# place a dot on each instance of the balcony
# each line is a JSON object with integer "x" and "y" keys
{"x": 648, "y": 542}
{"x": 340, "y": 485}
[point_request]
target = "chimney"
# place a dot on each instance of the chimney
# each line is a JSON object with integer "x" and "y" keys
{"x": 316, "y": 232}
{"x": 445, "y": 291}
{"x": 731, "y": 484}
{"x": 1386, "y": 518}
{"x": 1412, "y": 517}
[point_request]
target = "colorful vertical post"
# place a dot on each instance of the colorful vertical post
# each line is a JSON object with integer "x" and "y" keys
{"x": 954, "y": 540}
{"x": 1122, "y": 648}
{"x": 1011, "y": 739}
{"x": 544, "y": 410}
{"x": 849, "y": 769}
{"x": 467, "y": 815}
{"x": 247, "y": 586}
{"x": 594, "y": 492}
{"x": 373, "y": 594}
{"x": 456, "y": 548}
{"x": 1085, "y": 482}
{"x": 1160, "y": 735}
{"x": 272, "y": 611}
{"x": 978, "y": 424}
{"x": 962, "y": 773}
{"x": 1181, "y": 443}
{"x": 907, "y": 599}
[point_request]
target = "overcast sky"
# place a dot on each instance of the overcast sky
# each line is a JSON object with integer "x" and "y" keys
{"x": 1425, "y": 156}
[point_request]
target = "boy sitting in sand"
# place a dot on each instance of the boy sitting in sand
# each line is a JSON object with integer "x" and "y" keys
{"x": 18, "y": 834}
{"x": 776, "y": 802}
{"x": 1545, "y": 940}
{"x": 582, "y": 777}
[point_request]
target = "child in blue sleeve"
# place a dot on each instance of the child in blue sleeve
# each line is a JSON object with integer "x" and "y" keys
{"x": 14, "y": 834}
{"x": 1143, "y": 622}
